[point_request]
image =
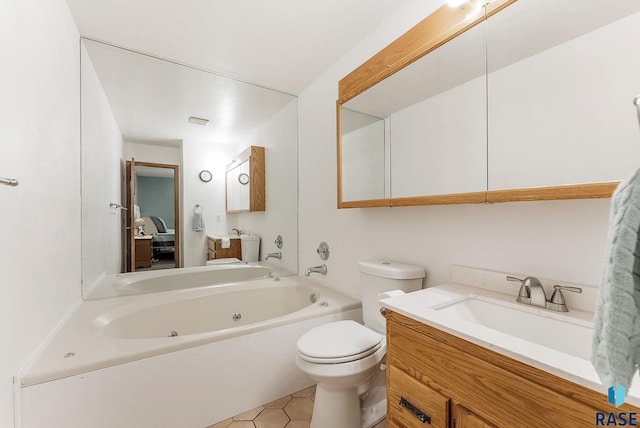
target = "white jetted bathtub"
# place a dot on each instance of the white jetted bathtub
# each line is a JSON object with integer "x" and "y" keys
{"x": 185, "y": 358}
{"x": 123, "y": 284}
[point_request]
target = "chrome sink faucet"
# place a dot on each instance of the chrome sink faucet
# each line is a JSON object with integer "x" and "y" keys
{"x": 317, "y": 269}
{"x": 532, "y": 293}
{"x": 237, "y": 231}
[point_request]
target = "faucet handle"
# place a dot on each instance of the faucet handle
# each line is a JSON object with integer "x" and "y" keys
{"x": 564, "y": 287}
{"x": 524, "y": 292}
{"x": 557, "y": 302}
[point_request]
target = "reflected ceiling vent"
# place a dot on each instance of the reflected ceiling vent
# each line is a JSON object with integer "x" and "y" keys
{"x": 198, "y": 121}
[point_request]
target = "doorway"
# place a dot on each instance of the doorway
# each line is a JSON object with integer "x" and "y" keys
{"x": 153, "y": 226}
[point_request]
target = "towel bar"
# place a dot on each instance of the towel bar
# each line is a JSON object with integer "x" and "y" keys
{"x": 9, "y": 181}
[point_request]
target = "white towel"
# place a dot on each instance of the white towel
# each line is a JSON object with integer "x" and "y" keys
{"x": 197, "y": 223}
{"x": 616, "y": 341}
{"x": 225, "y": 243}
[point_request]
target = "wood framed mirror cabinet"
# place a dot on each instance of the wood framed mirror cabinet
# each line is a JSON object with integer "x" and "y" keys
{"x": 493, "y": 102}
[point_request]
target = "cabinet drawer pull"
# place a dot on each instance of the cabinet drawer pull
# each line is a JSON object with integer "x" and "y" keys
{"x": 423, "y": 417}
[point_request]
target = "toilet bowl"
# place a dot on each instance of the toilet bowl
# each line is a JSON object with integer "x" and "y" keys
{"x": 341, "y": 357}
{"x": 345, "y": 358}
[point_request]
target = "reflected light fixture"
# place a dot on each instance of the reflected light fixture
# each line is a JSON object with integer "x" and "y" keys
{"x": 198, "y": 121}
{"x": 139, "y": 223}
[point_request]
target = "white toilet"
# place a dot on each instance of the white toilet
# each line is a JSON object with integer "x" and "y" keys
{"x": 250, "y": 251}
{"x": 344, "y": 357}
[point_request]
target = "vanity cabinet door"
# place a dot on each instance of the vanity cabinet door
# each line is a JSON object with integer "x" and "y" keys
{"x": 486, "y": 387}
{"x": 465, "y": 418}
{"x": 234, "y": 250}
{"x": 413, "y": 404}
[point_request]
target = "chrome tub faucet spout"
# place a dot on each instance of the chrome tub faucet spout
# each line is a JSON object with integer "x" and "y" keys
{"x": 317, "y": 269}
{"x": 531, "y": 291}
{"x": 277, "y": 255}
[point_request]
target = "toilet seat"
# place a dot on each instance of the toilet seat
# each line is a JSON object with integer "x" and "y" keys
{"x": 338, "y": 342}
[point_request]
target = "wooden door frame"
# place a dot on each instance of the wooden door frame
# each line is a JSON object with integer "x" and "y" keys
{"x": 177, "y": 254}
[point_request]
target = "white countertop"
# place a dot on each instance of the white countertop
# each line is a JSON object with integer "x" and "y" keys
{"x": 421, "y": 306}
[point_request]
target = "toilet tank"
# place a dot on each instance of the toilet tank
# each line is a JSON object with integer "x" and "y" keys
{"x": 378, "y": 276}
{"x": 250, "y": 248}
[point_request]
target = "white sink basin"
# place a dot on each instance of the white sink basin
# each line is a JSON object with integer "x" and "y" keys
{"x": 546, "y": 328}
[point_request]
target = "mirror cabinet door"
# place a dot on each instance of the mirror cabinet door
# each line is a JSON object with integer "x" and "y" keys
{"x": 562, "y": 76}
{"x": 438, "y": 120}
{"x": 245, "y": 181}
{"x": 420, "y": 132}
{"x": 363, "y": 157}
{"x": 238, "y": 188}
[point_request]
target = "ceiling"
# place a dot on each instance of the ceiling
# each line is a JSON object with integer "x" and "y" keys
{"x": 278, "y": 44}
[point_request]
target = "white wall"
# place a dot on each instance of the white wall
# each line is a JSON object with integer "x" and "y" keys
{"x": 40, "y": 143}
{"x": 101, "y": 181}
{"x": 196, "y": 156}
{"x": 279, "y": 138}
{"x": 563, "y": 240}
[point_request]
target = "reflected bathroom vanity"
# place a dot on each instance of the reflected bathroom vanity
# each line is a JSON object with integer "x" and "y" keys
{"x": 245, "y": 181}
{"x": 216, "y": 249}
{"x": 507, "y": 103}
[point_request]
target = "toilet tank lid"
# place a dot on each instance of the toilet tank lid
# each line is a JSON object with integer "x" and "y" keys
{"x": 393, "y": 270}
{"x": 250, "y": 237}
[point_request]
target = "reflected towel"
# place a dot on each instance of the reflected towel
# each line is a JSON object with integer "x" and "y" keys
{"x": 616, "y": 339}
{"x": 225, "y": 243}
{"x": 197, "y": 223}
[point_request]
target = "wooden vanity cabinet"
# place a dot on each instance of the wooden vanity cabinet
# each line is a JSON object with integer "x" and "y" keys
{"x": 215, "y": 250}
{"x": 458, "y": 384}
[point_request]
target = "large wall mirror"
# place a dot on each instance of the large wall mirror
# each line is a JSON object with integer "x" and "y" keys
{"x": 136, "y": 112}
{"x": 529, "y": 100}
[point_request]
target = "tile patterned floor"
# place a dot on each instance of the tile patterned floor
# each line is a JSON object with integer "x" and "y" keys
{"x": 291, "y": 411}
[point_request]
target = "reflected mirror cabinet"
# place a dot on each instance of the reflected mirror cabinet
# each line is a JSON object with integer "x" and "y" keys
{"x": 245, "y": 181}
{"x": 504, "y": 102}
